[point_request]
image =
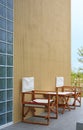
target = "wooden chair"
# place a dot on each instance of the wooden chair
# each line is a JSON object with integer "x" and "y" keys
{"x": 75, "y": 97}
{"x": 63, "y": 97}
{"x": 34, "y": 100}
{"x": 63, "y": 100}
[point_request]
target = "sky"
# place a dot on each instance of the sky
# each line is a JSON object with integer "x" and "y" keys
{"x": 76, "y": 31}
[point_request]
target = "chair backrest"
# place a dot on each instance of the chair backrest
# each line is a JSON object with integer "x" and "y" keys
{"x": 59, "y": 81}
{"x": 27, "y": 84}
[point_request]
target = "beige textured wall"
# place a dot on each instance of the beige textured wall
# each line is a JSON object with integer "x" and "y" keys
{"x": 41, "y": 44}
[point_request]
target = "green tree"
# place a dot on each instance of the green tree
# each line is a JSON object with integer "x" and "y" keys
{"x": 75, "y": 77}
{"x": 80, "y": 53}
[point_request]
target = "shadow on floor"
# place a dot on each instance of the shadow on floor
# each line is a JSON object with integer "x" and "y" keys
{"x": 66, "y": 121}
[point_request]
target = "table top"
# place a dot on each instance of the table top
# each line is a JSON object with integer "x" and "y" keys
{"x": 51, "y": 93}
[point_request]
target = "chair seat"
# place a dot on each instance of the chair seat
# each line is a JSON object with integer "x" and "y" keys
{"x": 42, "y": 100}
{"x": 37, "y": 103}
{"x": 34, "y": 105}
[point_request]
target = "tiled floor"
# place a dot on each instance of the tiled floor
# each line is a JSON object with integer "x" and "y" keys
{"x": 66, "y": 121}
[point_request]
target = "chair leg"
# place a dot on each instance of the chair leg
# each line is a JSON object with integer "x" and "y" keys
{"x": 32, "y": 109}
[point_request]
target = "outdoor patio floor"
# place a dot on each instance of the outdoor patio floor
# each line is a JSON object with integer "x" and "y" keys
{"x": 66, "y": 121}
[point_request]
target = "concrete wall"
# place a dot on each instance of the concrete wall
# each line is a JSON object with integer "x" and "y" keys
{"x": 41, "y": 44}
